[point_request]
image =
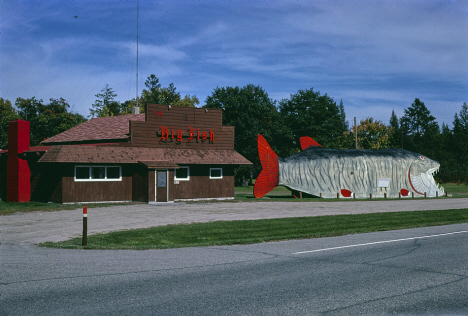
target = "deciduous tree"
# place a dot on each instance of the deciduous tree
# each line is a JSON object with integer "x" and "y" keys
{"x": 7, "y": 114}
{"x": 188, "y": 101}
{"x": 47, "y": 120}
{"x": 307, "y": 113}
{"x": 371, "y": 134}
{"x": 252, "y": 112}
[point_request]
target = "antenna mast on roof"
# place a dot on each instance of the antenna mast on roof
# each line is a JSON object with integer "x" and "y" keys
{"x": 136, "y": 109}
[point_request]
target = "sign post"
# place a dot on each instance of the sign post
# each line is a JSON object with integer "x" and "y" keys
{"x": 84, "y": 240}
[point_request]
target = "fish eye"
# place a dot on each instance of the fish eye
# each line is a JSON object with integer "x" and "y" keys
{"x": 421, "y": 157}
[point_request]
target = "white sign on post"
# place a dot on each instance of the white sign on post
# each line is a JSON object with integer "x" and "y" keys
{"x": 383, "y": 183}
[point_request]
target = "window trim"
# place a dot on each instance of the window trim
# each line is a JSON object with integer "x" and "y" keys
{"x": 221, "y": 169}
{"x": 182, "y": 179}
{"x": 90, "y": 179}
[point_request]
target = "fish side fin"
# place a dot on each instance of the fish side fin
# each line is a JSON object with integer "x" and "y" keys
{"x": 346, "y": 193}
{"x": 268, "y": 178}
{"x": 307, "y": 142}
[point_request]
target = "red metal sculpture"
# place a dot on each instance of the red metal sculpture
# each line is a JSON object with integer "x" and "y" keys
{"x": 18, "y": 173}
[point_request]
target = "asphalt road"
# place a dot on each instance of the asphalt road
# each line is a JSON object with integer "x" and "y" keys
{"x": 411, "y": 272}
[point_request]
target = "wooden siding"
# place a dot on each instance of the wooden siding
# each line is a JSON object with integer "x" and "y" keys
{"x": 46, "y": 182}
{"x": 170, "y": 185}
{"x": 96, "y": 191}
{"x": 55, "y": 182}
{"x": 57, "y": 193}
{"x": 140, "y": 184}
{"x": 149, "y": 132}
{"x": 201, "y": 186}
{"x": 3, "y": 177}
{"x": 92, "y": 191}
{"x": 151, "y": 188}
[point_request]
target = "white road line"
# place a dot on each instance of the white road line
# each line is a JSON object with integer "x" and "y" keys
{"x": 380, "y": 242}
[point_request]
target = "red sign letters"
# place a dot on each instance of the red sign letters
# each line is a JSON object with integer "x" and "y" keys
{"x": 178, "y": 135}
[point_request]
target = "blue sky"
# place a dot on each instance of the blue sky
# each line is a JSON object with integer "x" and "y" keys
{"x": 377, "y": 56}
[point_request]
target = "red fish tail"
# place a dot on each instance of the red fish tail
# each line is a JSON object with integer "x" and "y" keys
{"x": 268, "y": 178}
{"x": 307, "y": 142}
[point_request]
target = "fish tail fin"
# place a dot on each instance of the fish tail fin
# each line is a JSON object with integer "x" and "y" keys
{"x": 307, "y": 142}
{"x": 268, "y": 178}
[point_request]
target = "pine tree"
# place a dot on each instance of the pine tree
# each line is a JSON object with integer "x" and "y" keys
{"x": 459, "y": 143}
{"x": 421, "y": 128}
{"x": 105, "y": 104}
{"x": 394, "y": 131}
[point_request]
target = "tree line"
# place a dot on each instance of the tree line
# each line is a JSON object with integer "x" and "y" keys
{"x": 49, "y": 119}
{"x": 282, "y": 123}
{"x": 46, "y": 119}
{"x": 309, "y": 113}
{"x": 105, "y": 105}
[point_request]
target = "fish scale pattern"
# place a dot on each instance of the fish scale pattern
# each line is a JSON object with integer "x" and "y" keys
{"x": 326, "y": 172}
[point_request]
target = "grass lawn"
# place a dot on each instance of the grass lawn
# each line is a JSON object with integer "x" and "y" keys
{"x": 456, "y": 189}
{"x": 257, "y": 231}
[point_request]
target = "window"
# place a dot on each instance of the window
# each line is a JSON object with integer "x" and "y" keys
{"x": 81, "y": 173}
{"x": 113, "y": 173}
{"x": 98, "y": 173}
{"x": 182, "y": 174}
{"x": 216, "y": 173}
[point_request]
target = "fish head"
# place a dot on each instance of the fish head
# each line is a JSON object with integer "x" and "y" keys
{"x": 421, "y": 175}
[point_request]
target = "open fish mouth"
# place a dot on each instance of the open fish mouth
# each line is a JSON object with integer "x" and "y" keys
{"x": 425, "y": 183}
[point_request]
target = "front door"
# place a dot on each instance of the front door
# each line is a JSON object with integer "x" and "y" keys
{"x": 161, "y": 186}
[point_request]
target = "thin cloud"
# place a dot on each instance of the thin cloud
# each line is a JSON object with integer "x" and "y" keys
{"x": 373, "y": 55}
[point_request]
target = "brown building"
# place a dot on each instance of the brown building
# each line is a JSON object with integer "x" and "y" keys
{"x": 166, "y": 154}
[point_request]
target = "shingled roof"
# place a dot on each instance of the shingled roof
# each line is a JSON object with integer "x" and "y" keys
{"x": 100, "y": 129}
{"x": 147, "y": 156}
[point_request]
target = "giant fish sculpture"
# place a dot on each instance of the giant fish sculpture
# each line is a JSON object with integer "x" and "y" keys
{"x": 347, "y": 172}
